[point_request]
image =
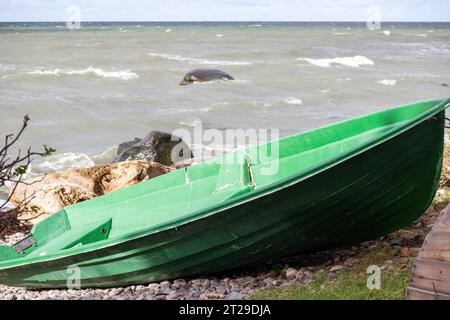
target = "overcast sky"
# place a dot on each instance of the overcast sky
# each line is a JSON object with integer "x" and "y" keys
{"x": 225, "y": 10}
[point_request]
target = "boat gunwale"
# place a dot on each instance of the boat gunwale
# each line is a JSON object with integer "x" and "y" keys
{"x": 441, "y": 105}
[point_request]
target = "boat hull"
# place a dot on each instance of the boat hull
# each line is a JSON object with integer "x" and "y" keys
{"x": 366, "y": 196}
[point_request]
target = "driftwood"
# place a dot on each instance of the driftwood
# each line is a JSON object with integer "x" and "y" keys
{"x": 12, "y": 169}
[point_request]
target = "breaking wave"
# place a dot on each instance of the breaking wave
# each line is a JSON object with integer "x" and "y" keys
{"x": 190, "y": 122}
{"x": 182, "y": 110}
{"x": 124, "y": 74}
{"x": 387, "y": 82}
{"x": 175, "y": 57}
{"x": 68, "y": 160}
{"x": 355, "y": 62}
{"x": 7, "y": 67}
{"x": 293, "y": 101}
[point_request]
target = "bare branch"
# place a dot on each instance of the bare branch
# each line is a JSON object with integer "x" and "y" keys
{"x": 12, "y": 170}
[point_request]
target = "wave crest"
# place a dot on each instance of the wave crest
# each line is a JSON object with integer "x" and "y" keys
{"x": 182, "y": 110}
{"x": 293, "y": 101}
{"x": 387, "y": 82}
{"x": 123, "y": 74}
{"x": 354, "y": 62}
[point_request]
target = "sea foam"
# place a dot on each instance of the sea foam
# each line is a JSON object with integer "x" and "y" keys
{"x": 293, "y": 101}
{"x": 355, "y": 62}
{"x": 190, "y": 122}
{"x": 7, "y": 67}
{"x": 123, "y": 74}
{"x": 387, "y": 82}
{"x": 182, "y": 110}
{"x": 60, "y": 162}
{"x": 68, "y": 160}
{"x": 179, "y": 58}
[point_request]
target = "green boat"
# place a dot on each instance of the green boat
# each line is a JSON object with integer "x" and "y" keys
{"x": 340, "y": 184}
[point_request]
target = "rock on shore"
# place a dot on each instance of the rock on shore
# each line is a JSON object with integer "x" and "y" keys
{"x": 157, "y": 146}
{"x": 46, "y": 195}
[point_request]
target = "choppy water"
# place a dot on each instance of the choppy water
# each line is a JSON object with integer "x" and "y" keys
{"x": 87, "y": 90}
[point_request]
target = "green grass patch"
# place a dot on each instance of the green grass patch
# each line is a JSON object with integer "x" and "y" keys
{"x": 350, "y": 283}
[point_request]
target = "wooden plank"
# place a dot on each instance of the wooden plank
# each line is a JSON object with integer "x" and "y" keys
{"x": 430, "y": 278}
{"x": 434, "y": 270}
{"x": 435, "y": 255}
{"x": 430, "y": 285}
{"x": 443, "y": 221}
{"x": 435, "y": 240}
{"x": 417, "y": 294}
{"x": 440, "y": 234}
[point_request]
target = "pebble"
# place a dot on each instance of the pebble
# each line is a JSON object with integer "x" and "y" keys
{"x": 408, "y": 252}
{"x": 197, "y": 283}
{"x": 350, "y": 262}
{"x": 179, "y": 283}
{"x": 153, "y": 287}
{"x": 301, "y": 276}
{"x": 173, "y": 295}
{"x": 115, "y": 292}
{"x": 235, "y": 296}
{"x": 337, "y": 268}
{"x": 165, "y": 287}
{"x": 211, "y": 296}
{"x": 291, "y": 274}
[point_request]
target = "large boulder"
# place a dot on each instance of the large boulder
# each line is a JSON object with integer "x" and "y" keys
{"x": 43, "y": 196}
{"x": 125, "y": 145}
{"x": 204, "y": 75}
{"x": 157, "y": 146}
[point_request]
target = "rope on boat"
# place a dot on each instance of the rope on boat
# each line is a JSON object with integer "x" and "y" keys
{"x": 447, "y": 126}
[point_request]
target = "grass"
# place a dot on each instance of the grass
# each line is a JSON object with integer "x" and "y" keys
{"x": 346, "y": 287}
{"x": 350, "y": 282}
{"x": 443, "y": 195}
